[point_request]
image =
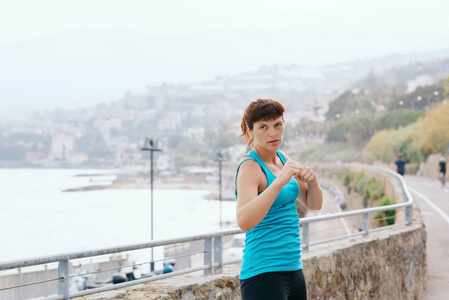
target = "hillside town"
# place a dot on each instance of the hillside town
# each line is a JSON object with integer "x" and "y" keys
{"x": 192, "y": 123}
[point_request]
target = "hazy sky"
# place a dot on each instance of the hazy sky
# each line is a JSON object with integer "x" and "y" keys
{"x": 230, "y": 36}
{"x": 23, "y": 20}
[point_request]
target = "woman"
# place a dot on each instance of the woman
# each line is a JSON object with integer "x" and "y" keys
{"x": 268, "y": 184}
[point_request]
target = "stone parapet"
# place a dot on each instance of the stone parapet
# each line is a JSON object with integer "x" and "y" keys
{"x": 385, "y": 265}
{"x": 388, "y": 264}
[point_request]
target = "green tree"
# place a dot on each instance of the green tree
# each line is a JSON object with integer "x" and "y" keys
{"x": 348, "y": 104}
{"x": 10, "y": 152}
{"x": 397, "y": 118}
{"x": 415, "y": 141}
{"x": 356, "y": 131}
{"x": 426, "y": 94}
{"x": 432, "y": 134}
{"x": 446, "y": 88}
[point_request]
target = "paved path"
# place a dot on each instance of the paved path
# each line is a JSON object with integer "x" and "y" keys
{"x": 433, "y": 200}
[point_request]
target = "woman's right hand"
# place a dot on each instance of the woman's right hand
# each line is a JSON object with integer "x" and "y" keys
{"x": 290, "y": 169}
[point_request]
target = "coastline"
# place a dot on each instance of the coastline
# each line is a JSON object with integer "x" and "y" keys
{"x": 137, "y": 181}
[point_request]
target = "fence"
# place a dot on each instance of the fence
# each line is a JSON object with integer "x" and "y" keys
{"x": 212, "y": 250}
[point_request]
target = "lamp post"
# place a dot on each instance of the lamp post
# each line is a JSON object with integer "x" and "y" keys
{"x": 150, "y": 145}
{"x": 419, "y": 98}
{"x": 429, "y": 96}
{"x": 220, "y": 159}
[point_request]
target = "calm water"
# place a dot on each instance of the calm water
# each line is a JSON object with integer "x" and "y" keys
{"x": 38, "y": 219}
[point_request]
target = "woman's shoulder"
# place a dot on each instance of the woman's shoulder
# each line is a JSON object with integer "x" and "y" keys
{"x": 251, "y": 156}
{"x": 248, "y": 163}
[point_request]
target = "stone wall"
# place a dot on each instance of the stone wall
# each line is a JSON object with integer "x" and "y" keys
{"x": 389, "y": 264}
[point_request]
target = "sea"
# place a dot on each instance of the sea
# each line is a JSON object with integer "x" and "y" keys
{"x": 38, "y": 219}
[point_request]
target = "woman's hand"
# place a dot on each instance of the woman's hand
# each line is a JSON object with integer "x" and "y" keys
{"x": 300, "y": 172}
{"x": 306, "y": 175}
{"x": 291, "y": 169}
{"x": 310, "y": 193}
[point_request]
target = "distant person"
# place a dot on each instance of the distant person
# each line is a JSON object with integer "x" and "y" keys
{"x": 442, "y": 170}
{"x": 269, "y": 187}
{"x": 400, "y": 163}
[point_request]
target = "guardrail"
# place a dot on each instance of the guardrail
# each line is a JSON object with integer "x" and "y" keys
{"x": 212, "y": 250}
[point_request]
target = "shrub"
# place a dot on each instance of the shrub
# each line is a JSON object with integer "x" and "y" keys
{"x": 387, "y": 217}
{"x": 373, "y": 190}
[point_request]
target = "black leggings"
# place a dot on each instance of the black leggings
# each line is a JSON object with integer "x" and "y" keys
{"x": 288, "y": 285}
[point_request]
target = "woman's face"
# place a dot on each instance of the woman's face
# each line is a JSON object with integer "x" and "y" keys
{"x": 268, "y": 134}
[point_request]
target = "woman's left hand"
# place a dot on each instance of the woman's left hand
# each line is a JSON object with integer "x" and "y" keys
{"x": 306, "y": 175}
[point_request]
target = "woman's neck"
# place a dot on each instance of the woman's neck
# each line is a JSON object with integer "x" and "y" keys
{"x": 266, "y": 155}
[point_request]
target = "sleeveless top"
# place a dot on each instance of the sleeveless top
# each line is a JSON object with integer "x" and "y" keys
{"x": 274, "y": 244}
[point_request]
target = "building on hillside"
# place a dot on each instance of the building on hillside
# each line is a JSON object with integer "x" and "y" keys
{"x": 35, "y": 158}
{"x": 126, "y": 157}
{"x": 62, "y": 146}
{"x": 171, "y": 121}
{"x": 105, "y": 127}
{"x": 77, "y": 159}
{"x": 194, "y": 133}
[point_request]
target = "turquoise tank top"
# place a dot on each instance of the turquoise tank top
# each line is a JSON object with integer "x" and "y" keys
{"x": 274, "y": 244}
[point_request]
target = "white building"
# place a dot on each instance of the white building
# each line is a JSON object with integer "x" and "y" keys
{"x": 62, "y": 146}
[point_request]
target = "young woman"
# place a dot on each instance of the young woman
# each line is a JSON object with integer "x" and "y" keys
{"x": 269, "y": 186}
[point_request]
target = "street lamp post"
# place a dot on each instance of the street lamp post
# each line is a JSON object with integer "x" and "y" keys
{"x": 419, "y": 98}
{"x": 150, "y": 146}
{"x": 220, "y": 159}
{"x": 429, "y": 96}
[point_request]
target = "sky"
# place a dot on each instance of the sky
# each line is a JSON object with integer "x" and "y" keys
{"x": 57, "y": 53}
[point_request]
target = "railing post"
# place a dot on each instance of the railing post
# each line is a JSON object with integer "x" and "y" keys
{"x": 46, "y": 277}
{"x": 218, "y": 254}
{"x": 208, "y": 256}
{"x": 20, "y": 283}
{"x": 63, "y": 282}
{"x": 305, "y": 236}
{"x": 409, "y": 214}
{"x": 365, "y": 223}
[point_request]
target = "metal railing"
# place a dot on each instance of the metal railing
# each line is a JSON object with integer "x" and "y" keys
{"x": 213, "y": 246}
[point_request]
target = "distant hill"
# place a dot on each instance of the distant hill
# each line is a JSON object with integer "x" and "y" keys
{"x": 83, "y": 68}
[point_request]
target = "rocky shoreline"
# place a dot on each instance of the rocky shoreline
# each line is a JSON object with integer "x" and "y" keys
{"x": 88, "y": 188}
{"x": 137, "y": 181}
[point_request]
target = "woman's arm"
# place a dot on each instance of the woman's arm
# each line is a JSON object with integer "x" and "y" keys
{"x": 310, "y": 195}
{"x": 310, "y": 192}
{"x": 251, "y": 207}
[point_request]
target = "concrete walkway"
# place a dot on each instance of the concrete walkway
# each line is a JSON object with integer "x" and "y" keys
{"x": 433, "y": 200}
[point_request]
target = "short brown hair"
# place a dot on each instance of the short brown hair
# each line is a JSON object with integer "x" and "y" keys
{"x": 260, "y": 109}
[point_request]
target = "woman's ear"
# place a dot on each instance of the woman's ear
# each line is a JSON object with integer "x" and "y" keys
{"x": 250, "y": 132}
